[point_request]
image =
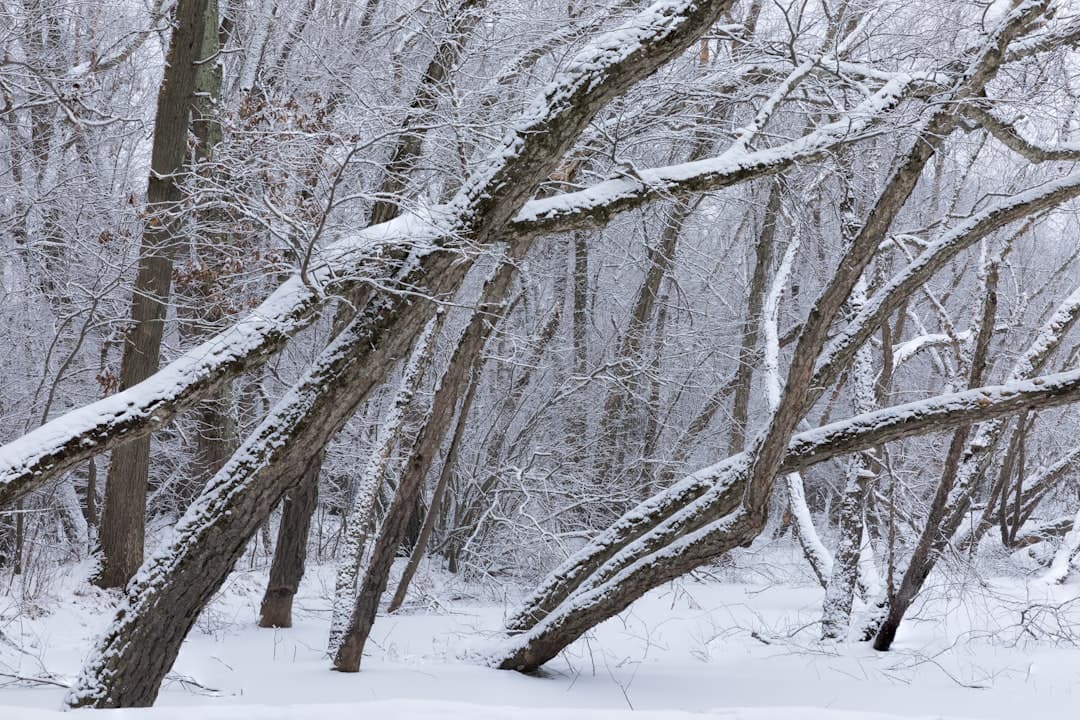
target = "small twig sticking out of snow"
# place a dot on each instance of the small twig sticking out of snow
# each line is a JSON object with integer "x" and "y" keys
{"x": 15, "y": 678}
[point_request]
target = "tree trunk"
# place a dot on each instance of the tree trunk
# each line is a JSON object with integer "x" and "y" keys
{"x": 748, "y": 350}
{"x": 362, "y": 515}
{"x": 123, "y": 517}
{"x": 393, "y": 182}
{"x": 436, "y": 495}
{"x": 290, "y": 551}
{"x": 840, "y": 591}
{"x": 935, "y": 532}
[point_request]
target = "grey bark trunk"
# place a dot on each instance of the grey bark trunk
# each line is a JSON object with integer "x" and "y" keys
{"x": 123, "y": 518}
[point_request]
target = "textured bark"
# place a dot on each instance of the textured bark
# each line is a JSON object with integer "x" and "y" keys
{"x": 939, "y": 531}
{"x": 362, "y": 515}
{"x": 388, "y": 205}
{"x": 580, "y": 305}
{"x": 290, "y": 551}
{"x": 436, "y": 496}
{"x": 771, "y": 450}
{"x": 123, "y": 520}
{"x": 163, "y": 603}
{"x": 215, "y": 425}
{"x": 840, "y": 591}
{"x": 748, "y": 349}
{"x": 30, "y": 462}
{"x": 680, "y": 541}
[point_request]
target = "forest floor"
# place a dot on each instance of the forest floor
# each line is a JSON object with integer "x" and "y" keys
{"x": 739, "y": 642}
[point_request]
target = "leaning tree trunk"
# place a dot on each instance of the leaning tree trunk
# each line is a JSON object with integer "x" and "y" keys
{"x": 956, "y": 488}
{"x": 140, "y": 646}
{"x": 362, "y": 514}
{"x": 123, "y": 516}
{"x": 387, "y": 207}
{"x": 452, "y": 386}
{"x": 686, "y": 542}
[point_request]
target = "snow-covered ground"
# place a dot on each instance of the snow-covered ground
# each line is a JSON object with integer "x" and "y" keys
{"x": 737, "y": 643}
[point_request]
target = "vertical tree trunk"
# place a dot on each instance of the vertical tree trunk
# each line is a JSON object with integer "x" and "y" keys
{"x": 748, "y": 350}
{"x": 580, "y": 315}
{"x": 840, "y": 591}
{"x": 123, "y": 517}
{"x": 290, "y": 551}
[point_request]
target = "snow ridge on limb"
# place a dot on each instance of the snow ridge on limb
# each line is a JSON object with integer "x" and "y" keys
{"x": 837, "y": 354}
{"x": 801, "y": 390}
{"x": 675, "y": 556}
{"x": 362, "y": 513}
{"x": 819, "y": 557}
{"x": 940, "y": 122}
{"x": 31, "y": 460}
{"x": 988, "y": 434}
{"x": 594, "y": 206}
{"x": 164, "y": 598}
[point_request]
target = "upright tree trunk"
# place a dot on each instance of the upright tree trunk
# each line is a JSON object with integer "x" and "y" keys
{"x": 290, "y": 551}
{"x": 123, "y": 517}
{"x": 748, "y": 350}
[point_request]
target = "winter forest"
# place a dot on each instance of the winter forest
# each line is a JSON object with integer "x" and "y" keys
{"x": 533, "y": 359}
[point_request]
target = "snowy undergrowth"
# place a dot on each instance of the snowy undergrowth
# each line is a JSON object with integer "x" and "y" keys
{"x": 742, "y": 635}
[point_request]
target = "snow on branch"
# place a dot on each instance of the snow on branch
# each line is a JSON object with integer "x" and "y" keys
{"x": 594, "y": 206}
{"x": 935, "y": 257}
{"x": 1011, "y": 138}
{"x": 605, "y": 68}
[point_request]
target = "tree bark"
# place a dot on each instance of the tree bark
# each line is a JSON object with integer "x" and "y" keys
{"x": 926, "y": 551}
{"x": 290, "y": 551}
{"x": 123, "y": 516}
{"x": 452, "y": 387}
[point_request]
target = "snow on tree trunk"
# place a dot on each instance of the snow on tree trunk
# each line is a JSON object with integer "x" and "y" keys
{"x": 363, "y": 509}
{"x": 840, "y": 590}
{"x": 814, "y": 550}
{"x": 30, "y": 461}
{"x": 1059, "y": 568}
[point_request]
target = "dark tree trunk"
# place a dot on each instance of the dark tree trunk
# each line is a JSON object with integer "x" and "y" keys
{"x": 401, "y": 514}
{"x": 290, "y": 552}
{"x": 123, "y": 517}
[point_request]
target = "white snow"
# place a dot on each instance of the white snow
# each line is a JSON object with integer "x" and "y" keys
{"x": 738, "y": 643}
